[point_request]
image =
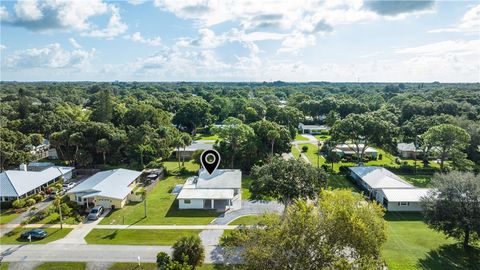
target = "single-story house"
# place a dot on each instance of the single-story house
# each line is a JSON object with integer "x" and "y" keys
{"x": 312, "y": 129}
{"x": 110, "y": 189}
{"x": 403, "y": 199}
{"x": 39, "y": 166}
{"x": 22, "y": 183}
{"x": 408, "y": 150}
{"x": 221, "y": 190}
{"x": 344, "y": 150}
{"x": 387, "y": 188}
{"x": 187, "y": 153}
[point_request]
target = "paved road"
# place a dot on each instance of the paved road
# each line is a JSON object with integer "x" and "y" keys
{"x": 249, "y": 208}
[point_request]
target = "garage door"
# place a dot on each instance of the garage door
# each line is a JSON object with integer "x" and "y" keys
{"x": 106, "y": 203}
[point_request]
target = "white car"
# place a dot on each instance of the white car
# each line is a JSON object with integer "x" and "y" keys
{"x": 67, "y": 186}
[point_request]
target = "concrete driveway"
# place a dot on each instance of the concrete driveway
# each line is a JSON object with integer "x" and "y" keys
{"x": 254, "y": 207}
{"x": 77, "y": 235}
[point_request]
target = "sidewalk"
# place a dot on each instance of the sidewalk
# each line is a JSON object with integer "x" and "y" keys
{"x": 8, "y": 227}
{"x": 136, "y": 227}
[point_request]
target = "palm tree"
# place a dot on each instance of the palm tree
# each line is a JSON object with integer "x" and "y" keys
{"x": 75, "y": 140}
{"x": 178, "y": 142}
{"x": 102, "y": 147}
{"x": 186, "y": 140}
{"x": 58, "y": 140}
{"x": 273, "y": 135}
{"x": 58, "y": 203}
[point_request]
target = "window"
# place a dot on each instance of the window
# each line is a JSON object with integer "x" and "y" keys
{"x": 186, "y": 201}
{"x": 404, "y": 203}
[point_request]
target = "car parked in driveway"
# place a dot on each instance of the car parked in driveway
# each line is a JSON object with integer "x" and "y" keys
{"x": 95, "y": 212}
{"x": 67, "y": 186}
{"x": 35, "y": 234}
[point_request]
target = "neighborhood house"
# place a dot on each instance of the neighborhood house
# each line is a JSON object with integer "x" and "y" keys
{"x": 349, "y": 150}
{"x": 408, "y": 150}
{"x": 110, "y": 189}
{"x": 22, "y": 183}
{"x": 221, "y": 191}
{"x": 312, "y": 129}
{"x": 187, "y": 153}
{"x": 388, "y": 189}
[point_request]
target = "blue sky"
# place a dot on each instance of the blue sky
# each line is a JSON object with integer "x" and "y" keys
{"x": 240, "y": 40}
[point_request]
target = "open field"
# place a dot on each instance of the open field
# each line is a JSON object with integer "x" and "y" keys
{"x": 173, "y": 168}
{"x": 162, "y": 208}
{"x": 14, "y": 236}
{"x": 137, "y": 237}
{"x": 61, "y": 266}
{"x": 412, "y": 245}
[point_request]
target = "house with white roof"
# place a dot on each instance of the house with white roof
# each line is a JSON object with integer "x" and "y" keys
{"x": 15, "y": 184}
{"x": 220, "y": 190}
{"x": 312, "y": 129}
{"x": 408, "y": 150}
{"x": 195, "y": 146}
{"x": 351, "y": 149}
{"x": 387, "y": 188}
{"x": 110, "y": 189}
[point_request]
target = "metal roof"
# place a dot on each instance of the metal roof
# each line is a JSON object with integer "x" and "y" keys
{"x": 225, "y": 178}
{"x": 379, "y": 177}
{"x": 405, "y": 194}
{"x": 112, "y": 184}
{"x": 198, "y": 146}
{"x": 17, "y": 183}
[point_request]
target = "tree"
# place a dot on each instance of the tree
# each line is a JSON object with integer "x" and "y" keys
{"x": 164, "y": 262}
{"x": 186, "y": 141}
{"x": 363, "y": 130}
{"x": 13, "y": 148}
{"x": 448, "y": 138}
{"x": 193, "y": 114}
{"x": 190, "y": 246}
{"x": 453, "y": 206}
{"x": 102, "y": 147}
{"x": 234, "y": 133}
{"x": 266, "y": 133}
{"x": 273, "y": 135}
{"x": 103, "y": 107}
{"x": 340, "y": 231}
{"x": 36, "y": 139}
{"x": 178, "y": 143}
{"x": 331, "y": 118}
{"x": 58, "y": 202}
{"x": 76, "y": 140}
{"x": 287, "y": 180}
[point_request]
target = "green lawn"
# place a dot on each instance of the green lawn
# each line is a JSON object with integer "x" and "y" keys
{"x": 418, "y": 180}
{"x": 246, "y": 181}
{"x": 295, "y": 152}
{"x": 312, "y": 153}
{"x": 4, "y": 265}
{"x": 172, "y": 167}
{"x": 341, "y": 181}
{"x": 7, "y": 215}
{"x": 54, "y": 218}
{"x": 322, "y": 137}
{"x": 162, "y": 208}
{"x": 412, "y": 245}
{"x": 153, "y": 266}
{"x": 13, "y": 237}
{"x": 137, "y": 237}
{"x": 204, "y": 137}
{"x": 299, "y": 137}
{"x": 247, "y": 220}
{"x": 61, "y": 266}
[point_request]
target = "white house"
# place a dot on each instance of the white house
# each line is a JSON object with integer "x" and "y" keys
{"x": 398, "y": 199}
{"x": 195, "y": 146}
{"x": 312, "y": 129}
{"x": 110, "y": 189}
{"x": 221, "y": 190}
{"x": 16, "y": 184}
{"x": 408, "y": 150}
{"x": 387, "y": 188}
{"x": 351, "y": 149}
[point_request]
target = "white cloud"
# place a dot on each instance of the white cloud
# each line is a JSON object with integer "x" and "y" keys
{"x": 52, "y": 56}
{"x": 458, "y": 47}
{"x": 136, "y": 2}
{"x": 74, "y": 43}
{"x": 76, "y": 15}
{"x": 296, "y": 42}
{"x": 470, "y": 22}
{"x": 114, "y": 27}
{"x": 2, "y": 47}
{"x": 137, "y": 37}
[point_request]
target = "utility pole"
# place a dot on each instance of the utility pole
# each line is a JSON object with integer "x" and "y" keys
{"x": 318, "y": 154}
{"x": 145, "y": 203}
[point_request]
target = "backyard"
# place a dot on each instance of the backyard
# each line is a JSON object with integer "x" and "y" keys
{"x": 412, "y": 245}
{"x": 137, "y": 236}
{"x": 162, "y": 208}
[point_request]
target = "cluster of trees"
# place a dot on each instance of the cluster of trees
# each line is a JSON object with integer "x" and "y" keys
{"x": 141, "y": 123}
{"x": 188, "y": 253}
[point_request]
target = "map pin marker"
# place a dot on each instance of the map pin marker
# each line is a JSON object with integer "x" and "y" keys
{"x": 210, "y": 160}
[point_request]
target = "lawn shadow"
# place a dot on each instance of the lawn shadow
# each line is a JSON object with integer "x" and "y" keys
{"x": 25, "y": 240}
{"x": 173, "y": 211}
{"x": 111, "y": 236}
{"x": 452, "y": 256}
{"x": 398, "y": 216}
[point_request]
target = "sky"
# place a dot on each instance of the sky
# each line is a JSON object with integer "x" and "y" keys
{"x": 240, "y": 40}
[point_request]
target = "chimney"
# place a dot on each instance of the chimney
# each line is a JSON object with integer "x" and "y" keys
{"x": 23, "y": 167}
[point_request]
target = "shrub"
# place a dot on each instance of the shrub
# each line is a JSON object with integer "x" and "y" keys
{"x": 190, "y": 246}
{"x": 163, "y": 259}
{"x": 30, "y": 202}
{"x": 343, "y": 169}
{"x": 38, "y": 197}
{"x": 304, "y": 148}
{"x": 380, "y": 157}
{"x": 20, "y": 203}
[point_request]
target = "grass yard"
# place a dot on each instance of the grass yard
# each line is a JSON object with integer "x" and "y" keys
{"x": 412, "y": 245}
{"x": 295, "y": 152}
{"x": 312, "y": 153}
{"x": 322, "y": 137}
{"x": 205, "y": 137}
{"x": 341, "y": 181}
{"x": 137, "y": 237}
{"x": 299, "y": 137}
{"x": 162, "y": 208}
{"x": 62, "y": 266}
{"x": 247, "y": 220}
{"x": 153, "y": 266}
{"x": 13, "y": 237}
{"x": 172, "y": 167}
{"x": 246, "y": 181}
{"x": 54, "y": 218}
{"x": 418, "y": 180}
{"x": 4, "y": 265}
{"x": 7, "y": 215}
